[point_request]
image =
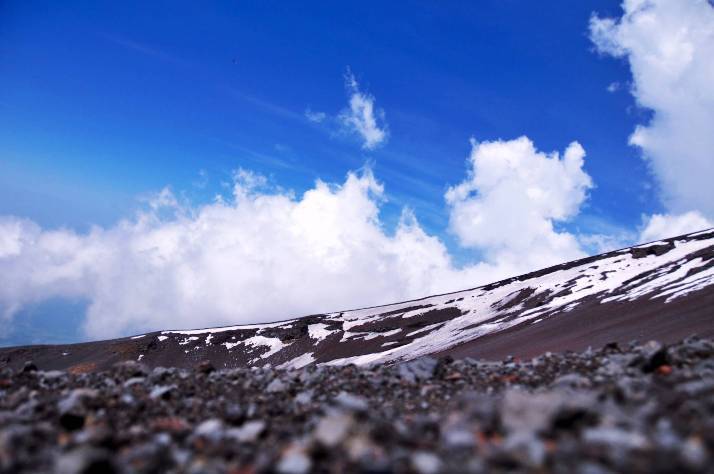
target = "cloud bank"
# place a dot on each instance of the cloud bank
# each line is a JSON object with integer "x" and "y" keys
{"x": 660, "y": 226}
{"x": 668, "y": 45}
{"x": 262, "y": 254}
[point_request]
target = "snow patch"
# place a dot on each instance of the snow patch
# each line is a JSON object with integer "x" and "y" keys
{"x": 187, "y": 340}
{"x": 318, "y": 331}
{"x": 298, "y": 362}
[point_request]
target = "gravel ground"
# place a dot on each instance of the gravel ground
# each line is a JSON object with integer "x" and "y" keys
{"x": 641, "y": 408}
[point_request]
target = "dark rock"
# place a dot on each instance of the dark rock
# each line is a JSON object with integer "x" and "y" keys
{"x": 73, "y": 408}
{"x": 248, "y": 432}
{"x": 205, "y": 367}
{"x": 128, "y": 369}
{"x": 28, "y": 367}
{"x": 162, "y": 392}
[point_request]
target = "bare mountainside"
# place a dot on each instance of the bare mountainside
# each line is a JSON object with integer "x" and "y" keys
{"x": 662, "y": 290}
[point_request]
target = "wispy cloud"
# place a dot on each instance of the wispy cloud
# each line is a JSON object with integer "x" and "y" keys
{"x": 264, "y": 105}
{"x": 145, "y": 49}
{"x": 361, "y": 117}
{"x": 316, "y": 117}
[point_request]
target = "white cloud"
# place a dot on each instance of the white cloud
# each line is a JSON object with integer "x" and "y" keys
{"x": 512, "y": 198}
{"x": 601, "y": 243}
{"x": 613, "y": 87}
{"x": 669, "y": 46}
{"x": 316, "y": 117}
{"x": 361, "y": 117}
{"x": 263, "y": 254}
{"x": 661, "y": 226}
{"x": 259, "y": 255}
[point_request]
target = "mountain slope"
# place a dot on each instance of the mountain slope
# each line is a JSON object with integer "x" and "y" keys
{"x": 662, "y": 290}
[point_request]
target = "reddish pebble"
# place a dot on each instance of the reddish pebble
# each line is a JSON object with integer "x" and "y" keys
{"x": 664, "y": 369}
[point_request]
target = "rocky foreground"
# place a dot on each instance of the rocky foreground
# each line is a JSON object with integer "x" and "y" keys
{"x": 642, "y": 408}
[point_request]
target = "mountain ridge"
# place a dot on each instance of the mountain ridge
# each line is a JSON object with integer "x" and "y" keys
{"x": 662, "y": 289}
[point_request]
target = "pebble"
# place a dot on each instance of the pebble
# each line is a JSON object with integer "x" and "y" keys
{"x": 419, "y": 369}
{"x": 425, "y": 463}
{"x": 332, "y": 429}
{"x": 351, "y": 402}
{"x": 249, "y": 432}
{"x": 572, "y": 381}
{"x": 162, "y": 391}
{"x": 85, "y": 460}
{"x": 211, "y": 429}
{"x": 525, "y": 447}
{"x": 615, "y": 438}
{"x": 294, "y": 461}
{"x": 276, "y": 386}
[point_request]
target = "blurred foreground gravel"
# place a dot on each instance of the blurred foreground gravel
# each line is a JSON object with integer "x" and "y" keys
{"x": 643, "y": 408}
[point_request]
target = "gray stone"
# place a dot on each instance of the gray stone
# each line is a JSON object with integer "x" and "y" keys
{"x": 333, "y": 428}
{"x": 134, "y": 381}
{"x": 351, "y": 402}
{"x": 697, "y": 387}
{"x": 458, "y": 438}
{"x": 304, "y": 398}
{"x": 211, "y": 429}
{"x": 162, "y": 391}
{"x": 248, "y": 432}
{"x": 294, "y": 461}
{"x": 425, "y": 462}
{"x": 694, "y": 454}
{"x": 419, "y": 369}
{"x": 526, "y": 448}
{"x": 529, "y": 412}
{"x": 53, "y": 374}
{"x": 572, "y": 381}
{"x": 85, "y": 460}
{"x": 615, "y": 438}
{"x": 276, "y": 385}
{"x": 76, "y": 399}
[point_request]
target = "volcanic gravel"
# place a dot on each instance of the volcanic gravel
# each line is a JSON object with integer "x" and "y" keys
{"x": 641, "y": 408}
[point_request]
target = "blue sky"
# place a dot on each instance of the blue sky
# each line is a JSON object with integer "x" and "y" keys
{"x": 104, "y": 103}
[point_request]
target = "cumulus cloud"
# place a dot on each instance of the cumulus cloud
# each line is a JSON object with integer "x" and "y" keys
{"x": 259, "y": 255}
{"x": 660, "y": 226}
{"x": 262, "y": 253}
{"x": 668, "y": 45}
{"x": 512, "y": 199}
{"x": 361, "y": 117}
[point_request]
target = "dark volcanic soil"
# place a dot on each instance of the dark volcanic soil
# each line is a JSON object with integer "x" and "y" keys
{"x": 597, "y": 323}
{"x": 639, "y": 408}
